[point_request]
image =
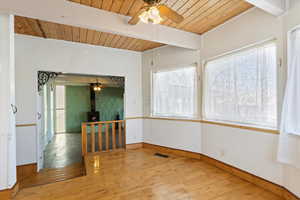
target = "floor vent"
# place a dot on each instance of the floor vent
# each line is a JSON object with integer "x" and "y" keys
{"x": 161, "y": 155}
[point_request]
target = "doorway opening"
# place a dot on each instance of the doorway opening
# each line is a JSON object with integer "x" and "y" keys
{"x": 65, "y": 102}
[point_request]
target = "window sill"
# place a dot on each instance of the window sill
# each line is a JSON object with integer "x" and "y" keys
{"x": 240, "y": 126}
{"x": 184, "y": 119}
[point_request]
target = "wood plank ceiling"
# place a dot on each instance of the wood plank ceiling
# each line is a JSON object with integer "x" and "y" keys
{"x": 200, "y": 17}
{"x": 39, "y": 28}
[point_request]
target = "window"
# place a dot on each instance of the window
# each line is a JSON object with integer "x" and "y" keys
{"x": 242, "y": 87}
{"x": 60, "y": 109}
{"x": 174, "y": 93}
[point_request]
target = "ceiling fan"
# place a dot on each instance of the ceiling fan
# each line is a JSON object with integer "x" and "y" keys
{"x": 155, "y": 12}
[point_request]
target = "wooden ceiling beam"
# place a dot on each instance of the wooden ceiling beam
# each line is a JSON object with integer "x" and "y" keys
{"x": 41, "y": 28}
{"x": 274, "y": 7}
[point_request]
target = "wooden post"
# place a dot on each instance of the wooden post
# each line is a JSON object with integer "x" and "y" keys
{"x": 93, "y": 138}
{"x": 120, "y": 134}
{"x": 124, "y": 134}
{"x": 83, "y": 140}
{"x": 114, "y": 135}
{"x": 100, "y": 137}
{"x": 107, "y": 136}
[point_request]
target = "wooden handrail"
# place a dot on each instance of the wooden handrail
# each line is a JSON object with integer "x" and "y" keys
{"x": 103, "y": 122}
{"x": 113, "y": 137}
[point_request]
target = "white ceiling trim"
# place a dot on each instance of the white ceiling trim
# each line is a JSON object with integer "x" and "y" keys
{"x": 74, "y": 14}
{"x": 274, "y": 7}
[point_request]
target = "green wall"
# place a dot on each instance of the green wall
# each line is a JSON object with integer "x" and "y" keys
{"x": 109, "y": 102}
{"x": 77, "y": 105}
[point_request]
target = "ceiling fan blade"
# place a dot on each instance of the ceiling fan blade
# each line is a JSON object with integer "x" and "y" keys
{"x": 165, "y": 11}
{"x": 135, "y": 19}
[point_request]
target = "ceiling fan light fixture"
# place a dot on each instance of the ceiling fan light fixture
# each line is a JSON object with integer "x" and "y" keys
{"x": 144, "y": 17}
{"x": 155, "y": 12}
{"x": 97, "y": 87}
{"x": 156, "y": 20}
{"x": 151, "y": 15}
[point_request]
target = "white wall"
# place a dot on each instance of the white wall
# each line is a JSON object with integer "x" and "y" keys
{"x": 34, "y": 54}
{"x": 181, "y": 135}
{"x": 26, "y": 145}
{"x": 251, "y": 151}
{"x": 252, "y": 27}
{"x": 291, "y": 177}
{"x": 174, "y": 134}
{"x": 7, "y": 100}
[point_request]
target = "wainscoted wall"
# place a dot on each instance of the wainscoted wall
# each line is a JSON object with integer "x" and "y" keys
{"x": 34, "y": 54}
{"x": 249, "y": 150}
{"x": 136, "y": 126}
{"x": 175, "y": 134}
{"x": 26, "y": 144}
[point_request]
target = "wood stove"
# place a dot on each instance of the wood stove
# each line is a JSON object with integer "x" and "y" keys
{"x": 93, "y": 115}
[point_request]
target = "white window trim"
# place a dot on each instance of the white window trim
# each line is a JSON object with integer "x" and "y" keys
{"x": 196, "y": 96}
{"x": 242, "y": 49}
{"x": 232, "y": 52}
{"x": 289, "y": 44}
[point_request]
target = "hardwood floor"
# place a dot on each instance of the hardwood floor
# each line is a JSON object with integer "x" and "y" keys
{"x": 139, "y": 175}
{"x": 46, "y": 176}
{"x": 64, "y": 150}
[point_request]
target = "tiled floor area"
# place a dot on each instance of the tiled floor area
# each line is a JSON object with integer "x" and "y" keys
{"x": 139, "y": 175}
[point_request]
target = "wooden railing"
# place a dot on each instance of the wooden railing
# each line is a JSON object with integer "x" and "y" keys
{"x": 103, "y": 136}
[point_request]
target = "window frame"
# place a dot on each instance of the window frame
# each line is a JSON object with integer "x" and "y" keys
{"x": 289, "y": 43}
{"x": 234, "y": 52}
{"x": 196, "y": 90}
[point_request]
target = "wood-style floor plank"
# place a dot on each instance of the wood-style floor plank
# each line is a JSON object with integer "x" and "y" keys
{"x": 140, "y": 175}
{"x": 46, "y": 176}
